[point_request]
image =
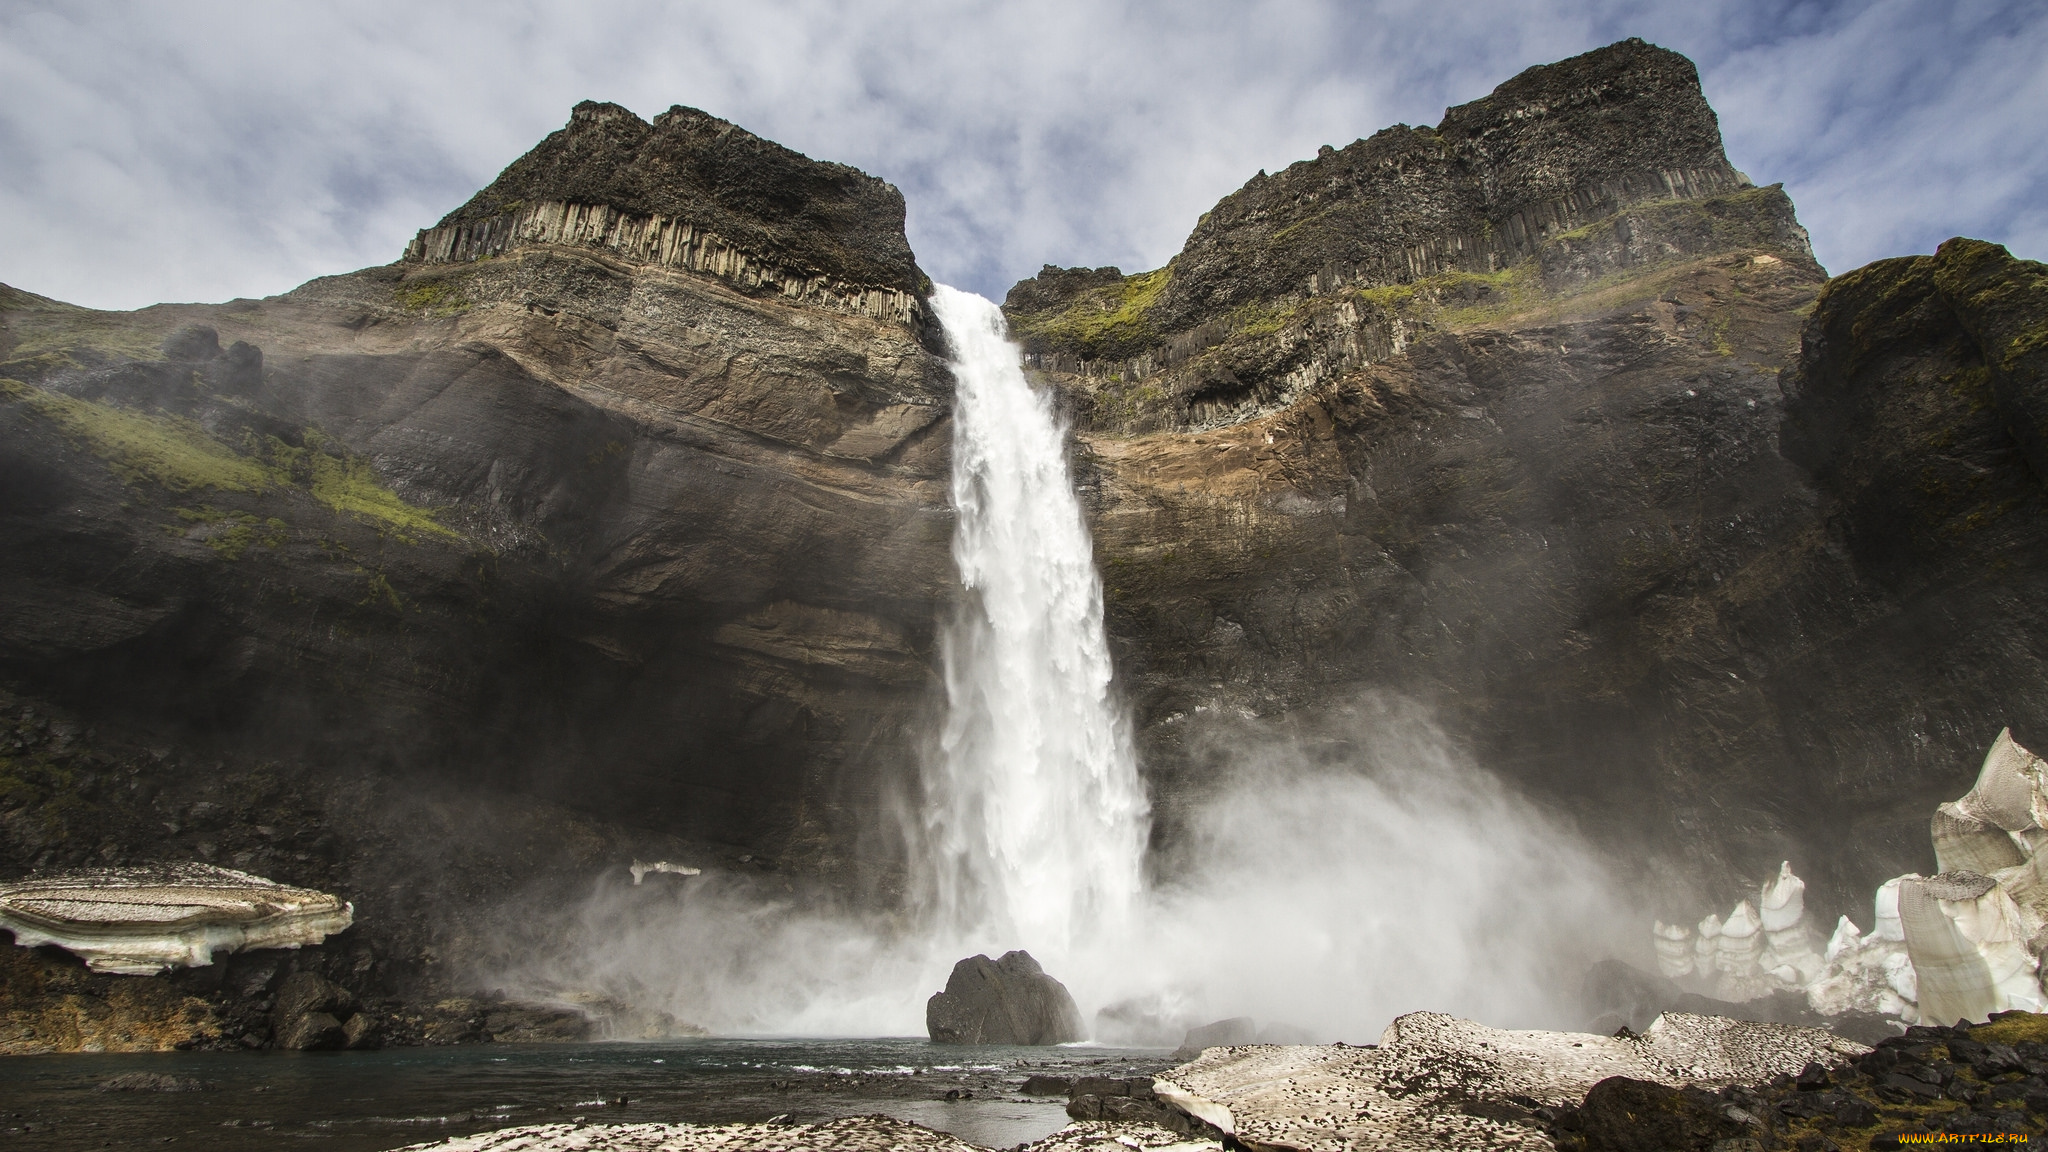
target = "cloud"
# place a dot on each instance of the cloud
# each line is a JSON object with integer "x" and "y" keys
{"x": 209, "y": 150}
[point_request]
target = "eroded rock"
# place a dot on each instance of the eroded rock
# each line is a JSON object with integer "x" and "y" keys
{"x": 1006, "y": 1001}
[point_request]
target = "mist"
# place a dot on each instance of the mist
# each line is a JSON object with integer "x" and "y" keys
{"x": 1344, "y": 872}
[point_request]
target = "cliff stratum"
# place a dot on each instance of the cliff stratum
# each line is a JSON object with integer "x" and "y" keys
{"x": 433, "y": 582}
{"x": 611, "y": 522}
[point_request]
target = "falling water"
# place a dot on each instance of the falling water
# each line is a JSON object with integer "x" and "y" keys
{"x": 1035, "y": 820}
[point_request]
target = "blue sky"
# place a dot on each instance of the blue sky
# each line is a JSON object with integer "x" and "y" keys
{"x": 201, "y": 151}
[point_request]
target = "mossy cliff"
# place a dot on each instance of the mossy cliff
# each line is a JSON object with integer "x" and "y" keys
{"x": 1549, "y": 419}
{"x": 454, "y": 583}
{"x": 1565, "y": 180}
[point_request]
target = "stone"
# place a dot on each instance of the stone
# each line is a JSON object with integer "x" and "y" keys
{"x": 361, "y": 1033}
{"x": 1625, "y": 1115}
{"x": 192, "y": 343}
{"x": 307, "y": 992}
{"x": 1043, "y": 1085}
{"x": 150, "y": 1082}
{"x": 1006, "y": 1001}
{"x": 312, "y": 1032}
{"x": 768, "y": 201}
{"x": 1236, "y": 1030}
{"x": 144, "y": 920}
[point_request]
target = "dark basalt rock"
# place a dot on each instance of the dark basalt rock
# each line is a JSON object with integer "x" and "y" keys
{"x": 689, "y": 165}
{"x": 1559, "y": 144}
{"x": 1006, "y": 1001}
{"x": 1056, "y": 287}
{"x": 1624, "y": 1115}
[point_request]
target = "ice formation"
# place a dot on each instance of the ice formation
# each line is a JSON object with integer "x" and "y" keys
{"x": 1958, "y": 945}
{"x": 640, "y": 870}
{"x": 141, "y": 921}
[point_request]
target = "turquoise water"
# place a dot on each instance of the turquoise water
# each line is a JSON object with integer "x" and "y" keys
{"x": 365, "y": 1101}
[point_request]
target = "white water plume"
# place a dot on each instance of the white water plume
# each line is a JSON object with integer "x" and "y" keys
{"x": 1033, "y": 828}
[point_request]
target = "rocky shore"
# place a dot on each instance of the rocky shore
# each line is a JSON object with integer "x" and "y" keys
{"x": 1691, "y": 1083}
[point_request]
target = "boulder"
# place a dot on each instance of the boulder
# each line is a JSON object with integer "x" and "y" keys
{"x": 309, "y": 1012}
{"x": 1218, "y": 1034}
{"x": 314, "y": 1031}
{"x": 362, "y": 1033}
{"x": 1006, "y": 1001}
{"x": 1627, "y": 1115}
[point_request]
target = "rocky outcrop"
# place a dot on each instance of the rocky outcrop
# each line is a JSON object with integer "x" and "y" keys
{"x": 1571, "y": 173}
{"x": 141, "y": 921}
{"x": 1006, "y": 1001}
{"x": 1435, "y": 1081}
{"x": 692, "y": 167}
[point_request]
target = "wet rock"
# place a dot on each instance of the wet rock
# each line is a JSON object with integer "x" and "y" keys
{"x": 361, "y": 1033}
{"x": 1047, "y": 1085}
{"x": 307, "y": 992}
{"x": 1006, "y": 1001}
{"x": 312, "y": 1032}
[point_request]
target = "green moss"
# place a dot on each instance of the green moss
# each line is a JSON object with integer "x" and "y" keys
{"x": 168, "y": 451}
{"x": 1106, "y": 322}
{"x": 1717, "y": 332}
{"x": 347, "y": 484}
{"x": 380, "y": 589}
{"x": 2013, "y": 1028}
{"x": 437, "y": 297}
{"x": 229, "y": 534}
{"x": 176, "y": 454}
{"x": 1495, "y": 295}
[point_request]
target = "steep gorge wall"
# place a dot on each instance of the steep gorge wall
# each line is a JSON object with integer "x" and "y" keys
{"x": 449, "y": 584}
{"x": 1545, "y": 492}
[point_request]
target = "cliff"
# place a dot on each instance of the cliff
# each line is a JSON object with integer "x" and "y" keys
{"x": 1579, "y": 446}
{"x": 762, "y": 198}
{"x": 1570, "y": 175}
{"x": 446, "y": 583}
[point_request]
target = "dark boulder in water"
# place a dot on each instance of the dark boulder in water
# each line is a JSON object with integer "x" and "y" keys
{"x": 1006, "y": 1001}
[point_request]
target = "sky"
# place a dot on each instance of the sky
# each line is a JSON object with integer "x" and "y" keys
{"x": 201, "y": 151}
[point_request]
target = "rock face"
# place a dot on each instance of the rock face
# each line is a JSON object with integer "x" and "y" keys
{"x": 755, "y": 195}
{"x": 625, "y": 542}
{"x": 1006, "y": 1001}
{"x": 141, "y": 921}
{"x": 1733, "y": 583}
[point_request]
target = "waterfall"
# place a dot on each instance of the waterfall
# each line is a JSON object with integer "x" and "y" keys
{"x": 1034, "y": 819}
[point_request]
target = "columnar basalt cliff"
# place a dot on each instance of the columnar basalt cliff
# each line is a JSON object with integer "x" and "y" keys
{"x": 1491, "y": 415}
{"x": 620, "y": 531}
